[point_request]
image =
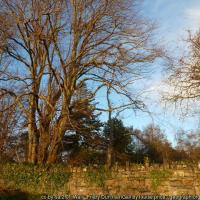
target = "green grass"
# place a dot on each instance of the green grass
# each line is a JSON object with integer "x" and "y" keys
{"x": 158, "y": 176}
{"x": 34, "y": 179}
{"x": 97, "y": 176}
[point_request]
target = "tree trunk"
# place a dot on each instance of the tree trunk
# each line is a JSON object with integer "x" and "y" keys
{"x": 43, "y": 145}
{"x": 53, "y": 153}
{"x": 109, "y": 160}
{"x": 59, "y": 131}
{"x": 54, "y": 147}
{"x": 33, "y": 134}
{"x": 32, "y": 144}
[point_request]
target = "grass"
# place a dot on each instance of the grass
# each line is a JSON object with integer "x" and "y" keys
{"x": 158, "y": 176}
{"x": 97, "y": 176}
{"x": 34, "y": 179}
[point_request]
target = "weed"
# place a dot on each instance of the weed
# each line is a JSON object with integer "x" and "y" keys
{"x": 98, "y": 176}
{"x": 158, "y": 176}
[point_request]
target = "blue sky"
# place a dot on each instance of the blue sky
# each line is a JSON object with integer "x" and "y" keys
{"x": 173, "y": 19}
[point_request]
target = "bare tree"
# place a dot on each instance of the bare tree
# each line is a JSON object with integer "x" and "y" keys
{"x": 118, "y": 91}
{"x": 10, "y": 120}
{"x": 189, "y": 144}
{"x": 185, "y": 75}
{"x": 155, "y": 144}
{"x": 56, "y": 46}
{"x": 185, "y": 80}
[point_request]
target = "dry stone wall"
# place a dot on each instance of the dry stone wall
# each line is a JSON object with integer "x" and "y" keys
{"x": 136, "y": 180}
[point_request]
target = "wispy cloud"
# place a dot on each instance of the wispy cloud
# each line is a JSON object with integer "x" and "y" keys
{"x": 193, "y": 17}
{"x": 193, "y": 13}
{"x": 174, "y": 18}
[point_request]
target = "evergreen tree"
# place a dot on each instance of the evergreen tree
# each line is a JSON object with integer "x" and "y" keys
{"x": 122, "y": 141}
{"x": 85, "y": 135}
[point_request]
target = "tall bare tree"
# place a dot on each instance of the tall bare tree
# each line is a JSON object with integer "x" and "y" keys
{"x": 185, "y": 80}
{"x": 185, "y": 74}
{"x": 189, "y": 144}
{"x": 56, "y": 46}
{"x": 9, "y": 120}
{"x": 118, "y": 91}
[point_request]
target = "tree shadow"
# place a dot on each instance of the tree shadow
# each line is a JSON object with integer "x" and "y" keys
{"x": 18, "y": 195}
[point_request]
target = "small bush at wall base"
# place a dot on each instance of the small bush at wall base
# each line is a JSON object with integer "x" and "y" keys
{"x": 97, "y": 176}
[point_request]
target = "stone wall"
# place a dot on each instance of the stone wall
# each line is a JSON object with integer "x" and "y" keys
{"x": 167, "y": 180}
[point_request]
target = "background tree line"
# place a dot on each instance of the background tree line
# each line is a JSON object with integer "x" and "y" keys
{"x": 129, "y": 145}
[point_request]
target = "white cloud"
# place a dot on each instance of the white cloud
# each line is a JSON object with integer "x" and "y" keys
{"x": 156, "y": 88}
{"x": 193, "y": 13}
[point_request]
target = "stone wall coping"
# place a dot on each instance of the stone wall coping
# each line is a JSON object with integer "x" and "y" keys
{"x": 138, "y": 167}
